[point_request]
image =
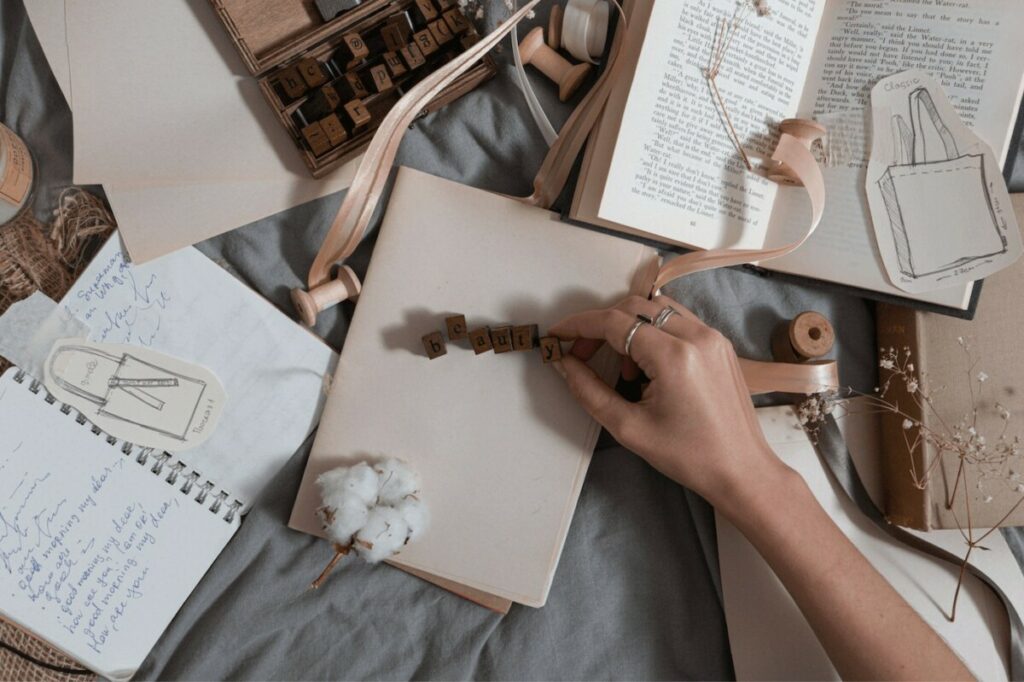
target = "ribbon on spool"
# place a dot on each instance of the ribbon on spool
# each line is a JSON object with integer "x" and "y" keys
{"x": 792, "y": 163}
{"x": 583, "y": 28}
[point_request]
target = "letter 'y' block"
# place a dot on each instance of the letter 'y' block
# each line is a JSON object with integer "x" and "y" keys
{"x": 550, "y": 349}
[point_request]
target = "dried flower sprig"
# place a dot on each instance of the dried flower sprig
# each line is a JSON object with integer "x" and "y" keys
{"x": 726, "y": 30}
{"x": 989, "y": 459}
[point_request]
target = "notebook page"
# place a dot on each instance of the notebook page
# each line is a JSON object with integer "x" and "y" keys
{"x": 97, "y": 554}
{"x": 187, "y": 306}
{"x": 500, "y": 443}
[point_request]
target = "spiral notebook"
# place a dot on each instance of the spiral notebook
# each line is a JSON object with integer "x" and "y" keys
{"x": 101, "y": 542}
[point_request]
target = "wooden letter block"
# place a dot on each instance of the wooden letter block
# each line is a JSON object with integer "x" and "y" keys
{"x": 481, "y": 340}
{"x": 395, "y": 64}
{"x": 335, "y": 131}
{"x": 354, "y": 46}
{"x": 292, "y": 82}
{"x": 426, "y": 11}
{"x": 312, "y": 72}
{"x": 316, "y": 138}
{"x": 440, "y": 32}
{"x": 456, "y": 21}
{"x": 469, "y": 40}
{"x": 456, "y": 327}
{"x": 433, "y": 343}
{"x": 550, "y": 349}
{"x": 381, "y": 79}
{"x": 392, "y": 36}
{"x": 501, "y": 339}
{"x": 356, "y": 83}
{"x": 523, "y": 337}
{"x": 425, "y": 41}
{"x": 357, "y": 113}
{"x": 412, "y": 56}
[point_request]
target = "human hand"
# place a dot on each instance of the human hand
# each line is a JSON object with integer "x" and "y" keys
{"x": 695, "y": 422}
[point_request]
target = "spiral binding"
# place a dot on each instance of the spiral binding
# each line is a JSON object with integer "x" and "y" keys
{"x": 161, "y": 462}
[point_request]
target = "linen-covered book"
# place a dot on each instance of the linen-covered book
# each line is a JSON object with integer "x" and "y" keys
{"x": 660, "y": 164}
{"x": 949, "y": 374}
{"x": 501, "y": 446}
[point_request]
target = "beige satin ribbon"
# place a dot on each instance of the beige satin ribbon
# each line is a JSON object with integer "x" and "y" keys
{"x": 792, "y": 155}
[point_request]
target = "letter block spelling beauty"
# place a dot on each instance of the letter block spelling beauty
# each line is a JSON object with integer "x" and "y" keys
{"x": 481, "y": 340}
{"x": 457, "y": 329}
{"x": 524, "y": 337}
{"x": 501, "y": 339}
{"x": 550, "y": 349}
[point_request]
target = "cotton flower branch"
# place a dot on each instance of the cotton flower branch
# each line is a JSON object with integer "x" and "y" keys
{"x": 372, "y": 510}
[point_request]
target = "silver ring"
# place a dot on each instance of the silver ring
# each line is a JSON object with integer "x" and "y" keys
{"x": 641, "y": 320}
{"x": 662, "y": 318}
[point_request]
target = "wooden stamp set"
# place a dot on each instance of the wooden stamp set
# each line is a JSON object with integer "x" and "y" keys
{"x": 331, "y": 70}
{"x": 500, "y": 339}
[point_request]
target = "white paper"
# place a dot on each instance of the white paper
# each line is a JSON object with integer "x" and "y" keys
{"x": 135, "y": 394}
{"x": 500, "y": 444}
{"x": 29, "y": 328}
{"x": 97, "y": 554}
{"x": 186, "y": 306}
{"x": 159, "y": 219}
{"x": 939, "y": 204}
{"x": 768, "y": 635}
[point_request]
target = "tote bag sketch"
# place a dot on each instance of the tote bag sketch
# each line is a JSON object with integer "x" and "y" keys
{"x": 931, "y": 236}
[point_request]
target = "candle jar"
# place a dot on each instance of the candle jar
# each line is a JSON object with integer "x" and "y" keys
{"x": 16, "y": 176}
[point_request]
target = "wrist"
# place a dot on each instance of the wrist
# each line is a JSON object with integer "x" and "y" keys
{"x": 761, "y": 492}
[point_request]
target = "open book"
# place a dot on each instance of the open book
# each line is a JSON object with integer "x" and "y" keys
{"x": 660, "y": 164}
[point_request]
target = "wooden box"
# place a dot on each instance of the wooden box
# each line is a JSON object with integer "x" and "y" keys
{"x": 332, "y": 82}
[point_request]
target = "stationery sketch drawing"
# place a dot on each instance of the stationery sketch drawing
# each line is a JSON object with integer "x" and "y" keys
{"x": 940, "y": 208}
{"x": 136, "y": 394}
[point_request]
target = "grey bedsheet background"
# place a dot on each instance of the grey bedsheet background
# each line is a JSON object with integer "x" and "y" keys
{"x": 636, "y": 593}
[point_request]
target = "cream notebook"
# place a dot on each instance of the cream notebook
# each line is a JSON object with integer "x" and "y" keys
{"x": 501, "y": 445}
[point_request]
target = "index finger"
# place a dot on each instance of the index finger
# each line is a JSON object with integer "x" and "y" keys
{"x": 614, "y": 325}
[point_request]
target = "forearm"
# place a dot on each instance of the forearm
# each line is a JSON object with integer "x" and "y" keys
{"x": 867, "y": 629}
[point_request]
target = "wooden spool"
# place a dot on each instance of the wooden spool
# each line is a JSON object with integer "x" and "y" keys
{"x": 808, "y": 336}
{"x": 567, "y": 76}
{"x": 344, "y": 287}
{"x": 804, "y": 130}
{"x": 555, "y": 27}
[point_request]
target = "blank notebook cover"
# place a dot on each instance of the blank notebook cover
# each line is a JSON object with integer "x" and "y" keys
{"x": 498, "y": 440}
{"x": 97, "y": 552}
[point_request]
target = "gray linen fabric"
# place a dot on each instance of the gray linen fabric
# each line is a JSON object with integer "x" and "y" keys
{"x": 636, "y": 595}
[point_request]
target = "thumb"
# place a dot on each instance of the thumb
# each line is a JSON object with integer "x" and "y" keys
{"x": 600, "y": 400}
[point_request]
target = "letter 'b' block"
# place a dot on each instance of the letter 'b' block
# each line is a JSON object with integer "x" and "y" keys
{"x": 456, "y": 327}
{"x": 433, "y": 343}
{"x": 550, "y": 349}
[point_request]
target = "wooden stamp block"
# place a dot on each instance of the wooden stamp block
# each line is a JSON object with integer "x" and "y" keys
{"x": 440, "y": 32}
{"x": 425, "y": 41}
{"x": 316, "y": 138}
{"x": 292, "y": 82}
{"x": 412, "y": 56}
{"x": 425, "y": 10}
{"x": 312, "y": 72}
{"x": 356, "y": 83}
{"x": 381, "y": 79}
{"x": 321, "y": 103}
{"x": 469, "y": 40}
{"x": 392, "y": 36}
{"x": 550, "y": 349}
{"x": 433, "y": 343}
{"x": 354, "y": 47}
{"x": 524, "y": 337}
{"x": 394, "y": 64}
{"x": 403, "y": 22}
{"x": 456, "y": 327}
{"x": 357, "y": 113}
{"x": 501, "y": 339}
{"x": 335, "y": 131}
{"x": 456, "y": 21}
{"x": 481, "y": 340}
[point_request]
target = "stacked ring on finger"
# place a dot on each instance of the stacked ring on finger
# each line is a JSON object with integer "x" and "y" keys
{"x": 666, "y": 312}
{"x": 641, "y": 320}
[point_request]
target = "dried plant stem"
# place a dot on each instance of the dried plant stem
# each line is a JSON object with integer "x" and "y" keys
{"x": 725, "y": 32}
{"x": 339, "y": 554}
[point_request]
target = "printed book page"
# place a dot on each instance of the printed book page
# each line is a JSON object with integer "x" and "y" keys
{"x": 673, "y": 172}
{"x": 972, "y": 47}
{"x": 97, "y": 554}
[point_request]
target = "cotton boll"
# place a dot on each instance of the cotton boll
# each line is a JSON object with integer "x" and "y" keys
{"x": 343, "y": 521}
{"x": 416, "y": 516}
{"x": 397, "y": 480}
{"x": 358, "y": 482}
{"x": 383, "y": 535}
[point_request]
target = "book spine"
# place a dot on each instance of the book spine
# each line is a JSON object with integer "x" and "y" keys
{"x": 161, "y": 464}
{"x": 906, "y": 504}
